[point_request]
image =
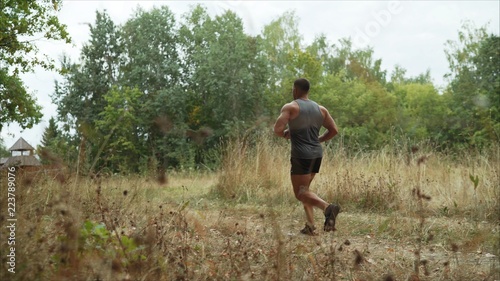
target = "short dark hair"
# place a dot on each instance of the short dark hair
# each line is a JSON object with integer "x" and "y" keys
{"x": 302, "y": 84}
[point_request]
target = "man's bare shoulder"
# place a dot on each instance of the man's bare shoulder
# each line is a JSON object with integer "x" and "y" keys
{"x": 291, "y": 106}
{"x": 322, "y": 107}
{"x": 323, "y": 110}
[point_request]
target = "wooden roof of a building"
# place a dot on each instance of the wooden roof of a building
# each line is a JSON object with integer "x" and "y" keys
{"x": 22, "y": 160}
{"x": 21, "y": 145}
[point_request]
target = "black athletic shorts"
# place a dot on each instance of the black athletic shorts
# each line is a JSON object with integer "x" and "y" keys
{"x": 304, "y": 166}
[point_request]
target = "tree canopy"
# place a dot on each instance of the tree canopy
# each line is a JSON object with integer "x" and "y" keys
{"x": 166, "y": 92}
{"x": 22, "y": 23}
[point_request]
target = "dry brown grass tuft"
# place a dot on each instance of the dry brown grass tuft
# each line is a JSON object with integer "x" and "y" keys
{"x": 254, "y": 172}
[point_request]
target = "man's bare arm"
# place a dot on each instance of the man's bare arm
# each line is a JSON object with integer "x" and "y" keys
{"x": 282, "y": 121}
{"x": 329, "y": 124}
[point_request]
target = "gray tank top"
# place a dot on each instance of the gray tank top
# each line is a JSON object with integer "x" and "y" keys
{"x": 304, "y": 131}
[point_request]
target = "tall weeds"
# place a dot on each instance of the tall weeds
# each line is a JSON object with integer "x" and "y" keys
{"x": 371, "y": 181}
{"x": 254, "y": 172}
{"x": 132, "y": 228}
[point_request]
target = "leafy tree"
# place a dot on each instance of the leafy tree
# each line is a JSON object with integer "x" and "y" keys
{"x": 399, "y": 78}
{"x": 487, "y": 64}
{"x": 323, "y": 51}
{"x": 423, "y": 111}
{"x": 16, "y": 105}
{"x": 359, "y": 63}
{"x": 281, "y": 40}
{"x": 398, "y": 75}
{"x": 50, "y": 134}
{"x": 53, "y": 148}
{"x": 353, "y": 86}
{"x": 304, "y": 64}
{"x": 473, "y": 89}
{"x": 150, "y": 51}
{"x": 152, "y": 65}
{"x": 168, "y": 92}
{"x": 365, "y": 112}
{"x": 227, "y": 79}
{"x": 121, "y": 119}
{"x": 80, "y": 97}
{"x": 460, "y": 54}
{"x": 224, "y": 68}
{"x": 225, "y": 73}
{"x": 22, "y": 23}
{"x": 4, "y": 152}
{"x": 342, "y": 58}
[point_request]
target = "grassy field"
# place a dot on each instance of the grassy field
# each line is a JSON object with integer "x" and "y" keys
{"x": 407, "y": 214}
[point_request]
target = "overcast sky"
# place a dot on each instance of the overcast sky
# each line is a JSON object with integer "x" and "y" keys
{"x": 412, "y": 34}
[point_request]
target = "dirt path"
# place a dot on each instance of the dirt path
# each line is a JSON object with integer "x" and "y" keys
{"x": 348, "y": 254}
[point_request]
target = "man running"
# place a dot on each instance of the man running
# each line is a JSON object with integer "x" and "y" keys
{"x": 305, "y": 118}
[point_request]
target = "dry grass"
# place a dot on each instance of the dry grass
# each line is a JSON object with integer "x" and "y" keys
{"x": 381, "y": 181}
{"x": 242, "y": 223}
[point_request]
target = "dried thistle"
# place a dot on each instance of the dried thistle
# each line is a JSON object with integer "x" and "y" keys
{"x": 414, "y": 149}
{"x": 163, "y": 123}
{"x": 27, "y": 181}
{"x": 47, "y": 154}
{"x": 200, "y": 135}
{"x": 421, "y": 160}
{"x": 358, "y": 258}
{"x": 161, "y": 178}
{"x": 388, "y": 277}
{"x": 424, "y": 263}
{"x": 430, "y": 237}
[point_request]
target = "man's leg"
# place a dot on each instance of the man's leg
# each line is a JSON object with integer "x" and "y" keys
{"x": 309, "y": 199}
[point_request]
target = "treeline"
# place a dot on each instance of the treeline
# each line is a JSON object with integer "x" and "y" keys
{"x": 162, "y": 92}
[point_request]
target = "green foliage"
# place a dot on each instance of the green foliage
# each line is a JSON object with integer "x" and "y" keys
{"x": 22, "y": 23}
{"x": 150, "y": 52}
{"x": 367, "y": 111}
{"x": 4, "y": 152}
{"x": 422, "y": 110}
{"x": 157, "y": 93}
{"x": 50, "y": 134}
{"x": 16, "y": 105}
{"x": 474, "y": 180}
{"x": 56, "y": 147}
{"x": 120, "y": 119}
{"x": 50, "y": 143}
{"x": 487, "y": 64}
{"x": 95, "y": 238}
{"x": 224, "y": 78}
{"x": 281, "y": 43}
{"x": 80, "y": 96}
{"x": 93, "y": 234}
{"x": 474, "y": 90}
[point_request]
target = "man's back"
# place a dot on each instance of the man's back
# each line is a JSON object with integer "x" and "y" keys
{"x": 304, "y": 130}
